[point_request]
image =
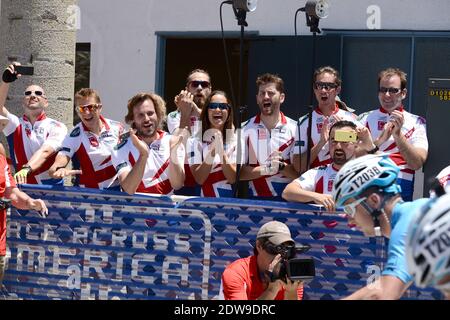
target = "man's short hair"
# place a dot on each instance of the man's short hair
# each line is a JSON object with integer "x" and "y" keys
{"x": 270, "y": 78}
{"x": 389, "y": 72}
{"x": 159, "y": 103}
{"x": 197, "y": 71}
{"x": 86, "y": 93}
{"x": 328, "y": 69}
{"x": 342, "y": 124}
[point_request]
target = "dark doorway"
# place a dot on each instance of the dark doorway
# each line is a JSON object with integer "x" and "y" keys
{"x": 186, "y": 54}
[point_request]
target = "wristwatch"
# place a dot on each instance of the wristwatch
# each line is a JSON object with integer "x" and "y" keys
{"x": 27, "y": 167}
{"x": 373, "y": 150}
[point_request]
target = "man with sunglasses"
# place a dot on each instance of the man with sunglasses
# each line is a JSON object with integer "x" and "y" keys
{"x": 33, "y": 138}
{"x": 396, "y": 131}
{"x": 366, "y": 188}
{"x": 327, "y": 86}
{"x": 190, "y": 103}
{"x": 90, "y": 144}
{"x": 316, "y": 184}
{"x": 250, "y": 278}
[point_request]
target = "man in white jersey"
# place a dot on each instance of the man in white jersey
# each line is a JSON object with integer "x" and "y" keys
{"x": 327, "y": 86}
{"x": 33, "y": 139}
{"x": 90, "y": 144}
{"x": 316, "y": 184}
{"x": 190, "y": 102}
{"x": 268, "y": 139}
{"x": 395, "y": 131}
{"x": 149, "y": 160}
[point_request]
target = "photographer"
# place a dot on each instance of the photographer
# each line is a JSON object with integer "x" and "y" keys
{"x": 255, "y": 277}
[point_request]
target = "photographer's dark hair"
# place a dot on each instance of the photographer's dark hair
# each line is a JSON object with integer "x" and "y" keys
{"x": 342, "y": 124}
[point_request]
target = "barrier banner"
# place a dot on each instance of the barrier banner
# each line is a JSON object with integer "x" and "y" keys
{"x": 108, "y": 245}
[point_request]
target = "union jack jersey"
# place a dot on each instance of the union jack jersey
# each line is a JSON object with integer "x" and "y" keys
{"x": 318, "y": 118}
{"x": 413, "y": 129}
{"x": 92, "y": 153}
{"x": 444, "y": 178}
{"x": 24, "y": 139}
{"x": 319, "y": 179}
{"x": 259, "y": 143}
{"x": 156, "y": 174}
{"x": 216, "y": 185}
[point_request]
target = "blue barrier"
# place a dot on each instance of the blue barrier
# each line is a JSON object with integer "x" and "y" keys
{"x": 108, "y": 245}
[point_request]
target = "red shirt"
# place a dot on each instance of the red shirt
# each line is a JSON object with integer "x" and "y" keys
{"x": 6, "y": 181}
{"x": 241, "y": 281}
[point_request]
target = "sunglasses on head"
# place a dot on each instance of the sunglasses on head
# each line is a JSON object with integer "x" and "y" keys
{"x": 203, "y": 84}
{"x": 36, "y": 93}
{"x": 90, "y": 107}
{"x": 221, "y": 106}
{"x": 325, "y": 85}
{"x": 390, "y": 90}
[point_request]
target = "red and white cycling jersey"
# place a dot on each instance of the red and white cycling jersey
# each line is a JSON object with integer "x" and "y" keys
{"x": 414, "y": 130}
{"x": 444, "y": 178}
{"x": 93, "y": 153}
{"x": 318, "y": 118}
{"x": 156, "y": 174}
{"x": 216, "y": 185}
{"x": 319, "y": 179}
{"x": 259, "y": 143}
{"x": 24, "y": 139}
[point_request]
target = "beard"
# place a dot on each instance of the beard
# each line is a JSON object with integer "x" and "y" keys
{"x": 339, "y": 157}
{"x": 146, "y": 132}
{"x": 200, "y": 101}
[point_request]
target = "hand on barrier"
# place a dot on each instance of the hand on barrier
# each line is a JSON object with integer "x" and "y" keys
{"x": 63, "y": 172}
{"x": 38, "y": 205}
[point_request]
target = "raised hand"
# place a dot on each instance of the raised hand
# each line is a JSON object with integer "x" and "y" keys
{"x": 140, "y": 145}
{"x": 10, "y": 74}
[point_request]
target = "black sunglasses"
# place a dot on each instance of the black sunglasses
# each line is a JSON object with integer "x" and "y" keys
{"x": 203, "y": 84}
{"x": 325, "y": 85}
{"x": 221, "y": 106}
{"x": 390, "y": 90}
{"x": 286, "y": 250}
{"x": 37, "y": 93}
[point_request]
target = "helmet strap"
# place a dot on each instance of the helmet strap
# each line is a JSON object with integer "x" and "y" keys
{"x": 376, "y": 212}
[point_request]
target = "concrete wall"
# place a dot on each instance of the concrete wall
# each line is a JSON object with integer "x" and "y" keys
{"x": 122, "y": 33}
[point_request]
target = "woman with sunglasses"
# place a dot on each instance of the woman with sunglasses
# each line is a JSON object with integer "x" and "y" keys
{"x": 213, "y": 160}
{"x": 90, "y": 145}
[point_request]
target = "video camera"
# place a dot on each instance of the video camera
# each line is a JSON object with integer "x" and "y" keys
{"x": 289, "y": 266}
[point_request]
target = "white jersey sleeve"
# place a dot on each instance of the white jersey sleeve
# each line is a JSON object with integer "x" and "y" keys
{"x": 119, "y": 156}
{"x": 13, "y": 123}
{"x": 173, "y": 121}
{"x": 71, "y": 142}
{"x": 307, "y": 180}
{"x": 57, "y": 133}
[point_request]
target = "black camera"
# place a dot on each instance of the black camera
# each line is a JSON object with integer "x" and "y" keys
{"x": 289, "y": 266}
{"x": 5, "y": 203}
